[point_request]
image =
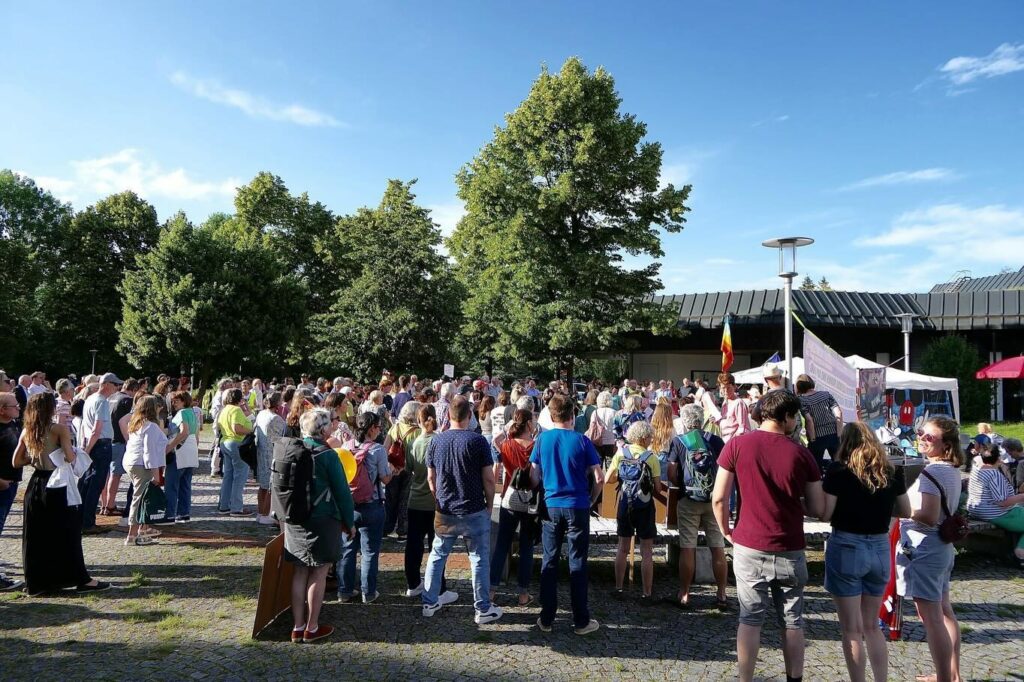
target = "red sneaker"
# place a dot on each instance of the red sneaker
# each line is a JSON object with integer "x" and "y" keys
{"x": 321, "y": 632}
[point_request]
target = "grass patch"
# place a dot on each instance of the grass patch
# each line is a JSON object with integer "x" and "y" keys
{"x": 170, "y": 624}
{"x": 241, "y": 601}
{"x": 1010, "y": 610}
{"x": 136, "y": 615}
{"x": 207, "y": 578}
{"x": 12, "y": 596}
{"x": 138, "y": 580}
{"x": 222, "y": 614}
{"x": 965, "y": 629}
{"x": 1009, "y": 429}
{"x": 161, "y": 598}
{"x": 227, "y": 551}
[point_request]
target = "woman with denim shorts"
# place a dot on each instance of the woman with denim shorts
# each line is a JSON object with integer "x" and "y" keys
{"x": 924, "y": 561}
{"x": 863, "y": 491}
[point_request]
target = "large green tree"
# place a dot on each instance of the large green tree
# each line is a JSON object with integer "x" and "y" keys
{"x": 32, "y": 226}
{"x": 400, "y": 307}
{"x": 81, "y": 302}
{"x": 565, "y": 190}
{"x": 954, "y": 356}
{"x": 213, "y": 297}
{"x": 297, "y": 229}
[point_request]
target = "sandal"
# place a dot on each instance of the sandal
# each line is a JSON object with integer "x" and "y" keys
{"x": 140, "y": 541}
{"x": 524, "y": 604}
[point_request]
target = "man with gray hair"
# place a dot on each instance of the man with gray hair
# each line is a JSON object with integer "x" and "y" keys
{"x": 444, "y": 398}
{"x": 692, "y": 464}
{"x": 1015, "y": 450}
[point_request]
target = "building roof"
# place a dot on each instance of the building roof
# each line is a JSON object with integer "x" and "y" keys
{"x": 935, "y": 311}
{"x": 1000, "y": 282}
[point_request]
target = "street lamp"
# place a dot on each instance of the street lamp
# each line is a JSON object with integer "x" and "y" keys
{"x": 787, "y": 247}
{"x": 93, "y": 360}
{"x": 907, "y": 326}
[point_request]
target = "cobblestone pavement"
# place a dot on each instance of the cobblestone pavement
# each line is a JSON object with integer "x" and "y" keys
{"x": 183, "y": 609}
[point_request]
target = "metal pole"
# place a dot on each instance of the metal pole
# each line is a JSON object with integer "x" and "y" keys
{"x": 906, "y": 351}
{"x": 788, "y": 326}
{"x": 93, "y": 361}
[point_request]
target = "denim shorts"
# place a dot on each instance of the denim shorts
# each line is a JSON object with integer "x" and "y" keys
{"x": 764, "y": 578}
{"x": 924, "y": 564}
{"x": 856, "y": 564}
{"x": 117, "y": 459}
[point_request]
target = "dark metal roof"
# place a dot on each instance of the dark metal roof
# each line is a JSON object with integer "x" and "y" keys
{"x": 949, "y": 311}
{"x": 1000, "y": 282}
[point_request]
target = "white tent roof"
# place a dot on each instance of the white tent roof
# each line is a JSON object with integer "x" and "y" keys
{"x": 894, "y": 378}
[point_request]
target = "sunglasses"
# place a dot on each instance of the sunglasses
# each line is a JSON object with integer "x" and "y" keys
{"x": 927, "y": 437}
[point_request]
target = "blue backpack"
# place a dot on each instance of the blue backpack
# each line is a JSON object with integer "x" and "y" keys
{"x": 635, "y": 484}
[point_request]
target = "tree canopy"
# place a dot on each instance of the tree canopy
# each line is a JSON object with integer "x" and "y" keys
{"x": 556, "y": 201}
{"x": 398, "y": 302}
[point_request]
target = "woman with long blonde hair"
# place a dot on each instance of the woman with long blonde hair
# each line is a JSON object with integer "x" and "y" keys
{"x": 51, "y": 540}
{"x": 664, "y": 434}
{"x": 863, "y": 491}
{"x": 145, "y": 453}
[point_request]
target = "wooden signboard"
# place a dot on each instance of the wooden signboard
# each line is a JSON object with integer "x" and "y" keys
{"x": 275, "y": 586}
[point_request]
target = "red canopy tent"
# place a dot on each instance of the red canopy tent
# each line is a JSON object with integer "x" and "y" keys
{"x": 1011, "y": 368}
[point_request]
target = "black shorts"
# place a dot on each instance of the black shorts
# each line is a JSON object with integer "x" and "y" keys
{"x": 638, "y": 521}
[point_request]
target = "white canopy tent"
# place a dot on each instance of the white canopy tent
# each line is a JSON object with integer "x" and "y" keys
{"x": 894, "y": 378}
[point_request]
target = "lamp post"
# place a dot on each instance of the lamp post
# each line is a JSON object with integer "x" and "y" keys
{"x": 907, "y": 326}
{"x": 787, "y": 247}
{"x": 93, "y": 360}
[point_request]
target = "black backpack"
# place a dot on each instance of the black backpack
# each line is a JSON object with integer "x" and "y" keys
{"x": 291, "y": 484}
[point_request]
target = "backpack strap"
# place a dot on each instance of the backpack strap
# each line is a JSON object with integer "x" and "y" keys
{"x": 942, "y": 492}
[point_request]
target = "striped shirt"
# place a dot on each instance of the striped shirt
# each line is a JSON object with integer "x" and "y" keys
{"x": 820, "y": 405}
{"x": 987, "y": 487}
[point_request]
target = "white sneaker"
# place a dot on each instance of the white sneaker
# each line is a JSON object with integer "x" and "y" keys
{"x": 448, "y": 597}
{"x": 489, "y": 616}
{"x": 592, "y": 626}
{"x": 415, "y": 592}
{"x": 430, "y": 609}
{"x": 543, "y": 628}
{"x": 370, "y": 598}
{"x": 266, "y": 520}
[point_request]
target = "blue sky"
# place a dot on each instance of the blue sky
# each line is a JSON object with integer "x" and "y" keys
{"x": 892, "y": 133}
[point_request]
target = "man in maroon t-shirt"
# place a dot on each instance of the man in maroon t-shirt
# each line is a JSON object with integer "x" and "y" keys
{"x": 773, "y": 474}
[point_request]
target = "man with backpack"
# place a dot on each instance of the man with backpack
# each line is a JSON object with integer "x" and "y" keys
{"x": 459, "y": 472}
{"x": 781, "y": 483}
{"x": 692, "y": 466}
{"x": 639, "y": 473}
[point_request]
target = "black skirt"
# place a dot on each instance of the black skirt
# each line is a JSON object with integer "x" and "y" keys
{"x": 51, "y": 542}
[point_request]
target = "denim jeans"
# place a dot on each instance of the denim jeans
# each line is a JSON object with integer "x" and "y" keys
{"x": 819, "y": 445}
{"x": 421, "y": 528}
{"x": 235, "y": 474}
{"x": 178, "y": 489}
{"x": 90, "y": 485}
{"x": 6, "y": 502}
{"x": 508, "y": 522}
{"x": 475, "y": 529}
{"x": 574, "y": 524}
{"x": 368, "y": 534}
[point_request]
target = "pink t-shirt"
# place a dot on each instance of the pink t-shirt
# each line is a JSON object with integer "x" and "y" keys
{"x": 772, "y": 473}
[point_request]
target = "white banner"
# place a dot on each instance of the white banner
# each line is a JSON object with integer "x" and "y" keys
{"x": 449, "y": 371}
{"x": 831, "y": 372}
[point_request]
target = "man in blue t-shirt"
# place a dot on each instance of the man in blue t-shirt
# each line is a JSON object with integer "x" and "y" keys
{"x": 460, "y": 474}
{"x": 567, "y": 465}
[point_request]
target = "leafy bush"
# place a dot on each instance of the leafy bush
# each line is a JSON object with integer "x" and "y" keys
{"x": 953, "y": 356}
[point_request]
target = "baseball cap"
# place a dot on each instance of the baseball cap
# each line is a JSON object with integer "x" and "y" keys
{"x": 110, "y": 378}
{"x": 345, "y": 390}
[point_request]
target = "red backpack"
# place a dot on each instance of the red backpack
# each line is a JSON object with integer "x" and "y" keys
{"x": 361, "y": 485}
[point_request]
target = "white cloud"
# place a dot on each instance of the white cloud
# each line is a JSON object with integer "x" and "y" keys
{"x": 903, "y": 178}
{"x": 774, "y": 119}
{"x": 940, "y": 239}
{"x": 447, "y": 215}
{"x": 252, "y": 105}
{"x": 676, "y": 174}
{"x": 1004, "y": 59}
{"x": 128, "y": 170}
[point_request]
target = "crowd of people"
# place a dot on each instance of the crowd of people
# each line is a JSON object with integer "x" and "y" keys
{"x": 340, "y": 465}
